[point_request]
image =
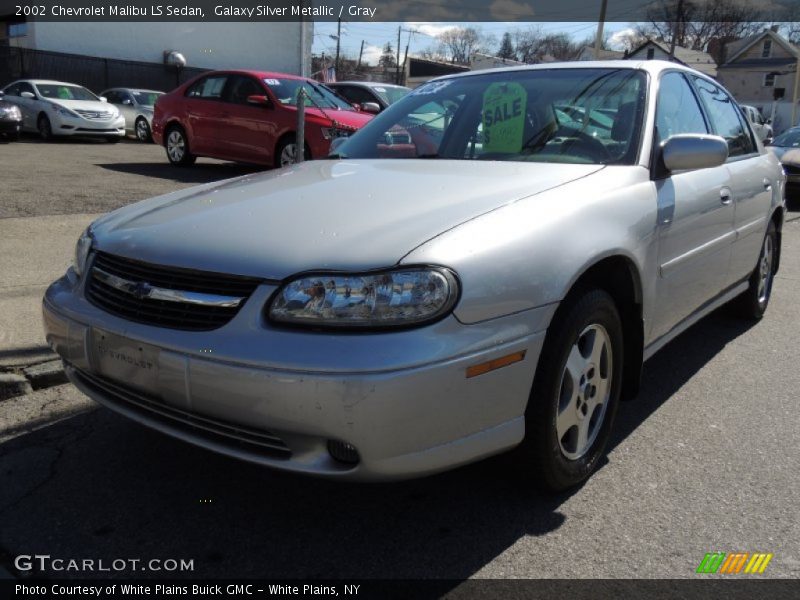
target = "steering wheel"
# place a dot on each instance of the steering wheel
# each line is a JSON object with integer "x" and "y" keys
{"x": 580, "y": 142}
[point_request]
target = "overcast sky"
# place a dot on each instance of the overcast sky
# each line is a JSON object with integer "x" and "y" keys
{"x": 375, "y": 35}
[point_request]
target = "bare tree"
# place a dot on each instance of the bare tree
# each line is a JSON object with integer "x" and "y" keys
{"x": 694, "y": 23}
{"x": 534, "y": 45}
{"x": 460, "y": 43}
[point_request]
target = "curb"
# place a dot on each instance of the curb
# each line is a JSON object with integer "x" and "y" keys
{"x": 20, "y": 381}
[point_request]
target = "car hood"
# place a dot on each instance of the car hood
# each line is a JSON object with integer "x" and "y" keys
{"x": 341, "y": 215}
{"x": 787, "y": 156}
{"x": 83, "y": 105}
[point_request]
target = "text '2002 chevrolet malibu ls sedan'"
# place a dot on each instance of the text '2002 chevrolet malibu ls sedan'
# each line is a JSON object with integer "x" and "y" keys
{"x": 483, "y": 266}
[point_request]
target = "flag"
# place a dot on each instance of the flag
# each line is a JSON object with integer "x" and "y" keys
{"x": 329, "y": 75}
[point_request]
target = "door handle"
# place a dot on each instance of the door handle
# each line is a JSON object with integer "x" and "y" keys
{"x": 725, "y": 196}
{"x": 767, "y": 184}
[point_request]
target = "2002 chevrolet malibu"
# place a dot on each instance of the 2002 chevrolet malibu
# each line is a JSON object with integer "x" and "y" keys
{"x": 485, "y": 265}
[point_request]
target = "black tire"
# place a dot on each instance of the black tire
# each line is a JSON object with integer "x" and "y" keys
{"x": 557, "y": 460}
{"x": 142, "y": 130}
{"x": 177, "y": 146}
{"x": 44, "y": 127}
{"x": 283, "y": 145}
{"x": 752, "y": 304}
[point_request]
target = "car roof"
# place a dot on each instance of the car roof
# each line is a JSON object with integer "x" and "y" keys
{"x": 254, "y": 73}
{"x": 46, "y": 82}
{"x": 370, "y": 84}
{"x": 654, "y": 67}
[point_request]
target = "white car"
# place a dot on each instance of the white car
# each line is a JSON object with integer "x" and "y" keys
{"x": 761, "y": 127}
{"x": 55, "y": 108}
{"x": 137, "y": 108}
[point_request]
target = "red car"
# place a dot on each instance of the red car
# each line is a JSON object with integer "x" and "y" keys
{"x": 250, "y": 116}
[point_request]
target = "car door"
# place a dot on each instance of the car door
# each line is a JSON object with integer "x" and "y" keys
{"x": 751, "y": 177}
{"x": 248, "y": 130}
{"x": 695, "y": 213}
{"x": 203, "y": 110}
{"x": 127, "y": 107}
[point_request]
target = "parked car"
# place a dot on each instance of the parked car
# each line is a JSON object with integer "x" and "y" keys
{"x": 761, "y": 127}
{"x": 55, "y": 108}
{"x": 10, "y": 120}
{"x": 249, "y": 116}
{"x": 376, "y": 318}
{"x": 370, "y": 96}
{"x": 137, "y": 108}
{"x": 786, "y": 147}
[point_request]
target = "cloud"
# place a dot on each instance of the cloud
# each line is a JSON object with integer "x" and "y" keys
{"x": 622, "y": 39}
{"x": 431, "y": 29}
{"x": 371, "y": 54}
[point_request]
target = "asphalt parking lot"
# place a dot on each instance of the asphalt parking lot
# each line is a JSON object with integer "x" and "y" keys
{"x": 705, "y": 460}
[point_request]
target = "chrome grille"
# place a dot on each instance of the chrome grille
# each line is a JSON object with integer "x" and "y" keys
{"x": 166, "y": 296}
{"x": 95, "y": 115}
{"x": 214, "y": 430}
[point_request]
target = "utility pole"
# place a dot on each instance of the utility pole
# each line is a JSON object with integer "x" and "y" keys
{"x": 338, "y": 45}
{"x": 300, "y": 136}
{"x": 397, "y": 61}
{"x": 360, "y": 54}
{"x": 598, "y": 40}
{"x": 405, "y": 57}
{"x": 678, "y": 23}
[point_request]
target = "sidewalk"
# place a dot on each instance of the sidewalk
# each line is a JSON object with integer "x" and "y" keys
{"x": 34, "y": 251}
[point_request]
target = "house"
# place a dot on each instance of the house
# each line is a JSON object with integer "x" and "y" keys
{"x": 588, "y": 53}
{"x": 657, "y": 50}
{"x": 761, "y": 70}
{"x": 420, "y": 70}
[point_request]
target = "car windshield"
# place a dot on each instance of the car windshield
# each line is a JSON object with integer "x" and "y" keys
{"x": 788, "y": 139}
{"x": 147, "y": 98}
{"x": 390, "y": 95}
{"x": 286, "y": 91}
{"x": 576, "y": 115}
{"x": 65, "y": 92}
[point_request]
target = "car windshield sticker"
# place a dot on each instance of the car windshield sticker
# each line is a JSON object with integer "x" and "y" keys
{"x": 503, "y": 117}
{"x": 272, "y": 82}
{"x": 431, "y": 88}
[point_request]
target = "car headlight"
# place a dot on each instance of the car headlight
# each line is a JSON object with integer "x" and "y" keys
{"x": 331, "y": 133}
{"x": 11, "y": 112}
{"x": 82, "y": 249}
{"x": 65, "y": 111}
{"x": 397, "y": 298}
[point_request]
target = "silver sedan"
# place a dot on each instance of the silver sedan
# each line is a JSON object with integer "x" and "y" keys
{"x": 484, "y": 266}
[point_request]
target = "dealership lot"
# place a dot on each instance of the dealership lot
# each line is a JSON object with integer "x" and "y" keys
{"x": 703, "y": 461}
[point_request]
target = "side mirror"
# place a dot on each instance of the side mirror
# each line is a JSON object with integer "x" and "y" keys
{"x": 693, "y": 151}
{"x": 103, "y": 99}
{"x": 258, "y": 100}
{"x": 371, "y": 107}
{"x": 336, "y": 143}
{"x": 28, "y": 95}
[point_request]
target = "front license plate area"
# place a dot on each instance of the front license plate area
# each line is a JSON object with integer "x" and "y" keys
{"x": 126, "y": 361}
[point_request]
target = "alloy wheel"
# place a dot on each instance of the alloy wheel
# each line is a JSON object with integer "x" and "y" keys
{"x": 142, "y": 130}
{"x": 288, "y": 154}
{"x": 584, "y": 392}
{"x": 176, "y": 146}
{"x": 765, "y": 271}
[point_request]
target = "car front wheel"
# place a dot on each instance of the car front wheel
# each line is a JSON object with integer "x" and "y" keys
{"x": 576, "y": 392}
{"x": 44, "y": 127}
{"x": 178, "y": 147}
{"x": 142, "y": 130}
{"x": 286, "y": 153}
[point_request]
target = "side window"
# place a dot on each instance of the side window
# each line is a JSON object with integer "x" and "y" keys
{"x": 209, "y": 88}
{"x": 726, "y": 118}
{"x": 240, "y": 87}
{"x": 677, "y": 110}
{"x": 357, "y": 95}
{"x": 12, "y": 90}
{"x": 112, "y": 97}
{"x": 26, "y": 87}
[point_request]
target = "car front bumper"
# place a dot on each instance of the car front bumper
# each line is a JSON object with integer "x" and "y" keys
{"x": 67, "y": 125}
{"x": 277, "y": 397}
{"x": 8, "y": 126}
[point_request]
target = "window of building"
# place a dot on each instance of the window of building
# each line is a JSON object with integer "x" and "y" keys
{"x": 17, "y": 30}
{"x": 651, "y": 52}
{"x": 766, "y": 49}
{"x": 769, "y": 79}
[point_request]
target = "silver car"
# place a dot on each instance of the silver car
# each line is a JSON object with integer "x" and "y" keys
{"x": 137, "y": 107}
{"x": 492, "y": 278}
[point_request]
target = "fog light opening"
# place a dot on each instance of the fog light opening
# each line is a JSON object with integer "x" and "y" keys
{"x": 343, "y": 452}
